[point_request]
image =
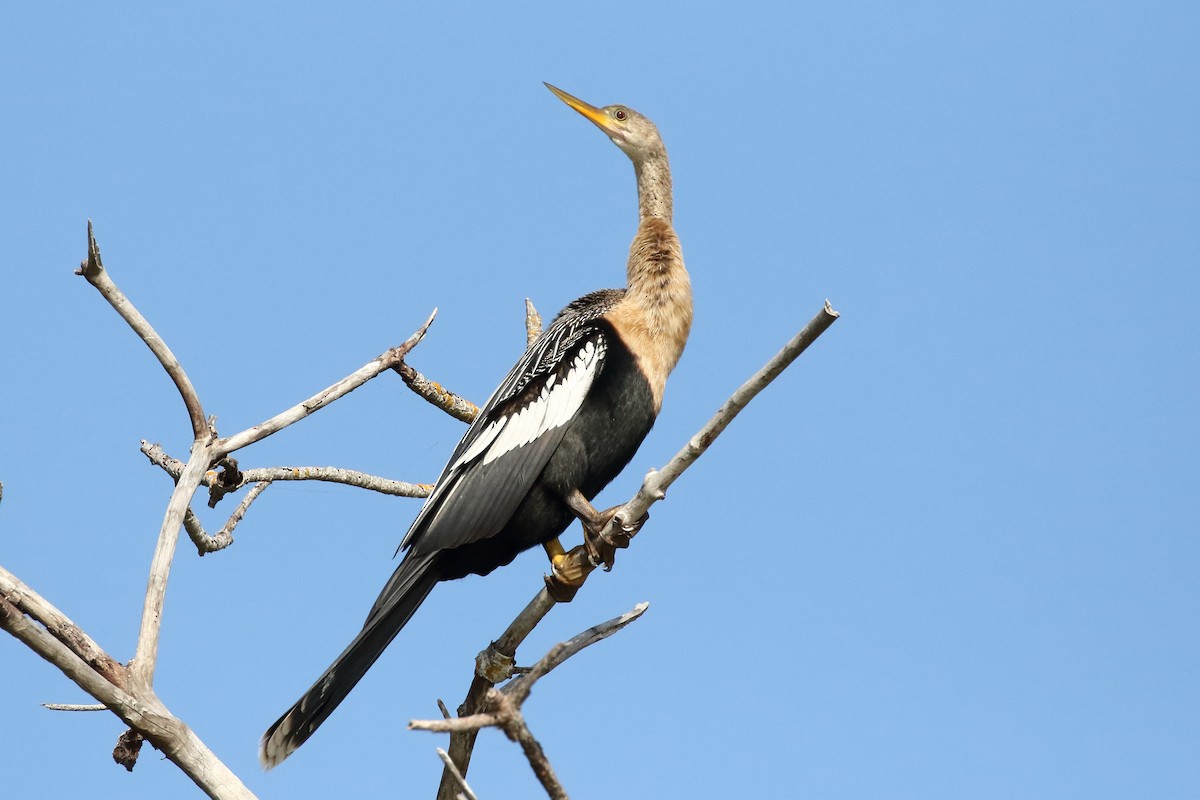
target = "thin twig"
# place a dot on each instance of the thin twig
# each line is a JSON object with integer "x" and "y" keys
{"x": 384, "y": 362}
{"x": 474, "y": 722}
{"x": 520, "y": 687}
{"x": 533, "y": 323}
{"x": 434, "y": 393}
{"x": 654, "y": 487}
{"x": 92, "y": 268}
{"x": 458, "y": 776}
{"x": 206, "y": 543}
{"x": 453, "y": 404}
{"x": 349, "y": 477}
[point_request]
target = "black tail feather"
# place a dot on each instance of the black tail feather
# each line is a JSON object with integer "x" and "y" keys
{"x": 403, "y": 595}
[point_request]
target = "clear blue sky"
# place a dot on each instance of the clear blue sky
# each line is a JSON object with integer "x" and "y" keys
{"x": 952, "y": 553}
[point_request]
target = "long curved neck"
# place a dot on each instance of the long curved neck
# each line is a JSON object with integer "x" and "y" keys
{"x": 654, "y": 186}
{"x": 655, "y": 315}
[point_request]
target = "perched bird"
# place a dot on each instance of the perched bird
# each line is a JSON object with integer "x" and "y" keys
{"x": 562, "y": 424}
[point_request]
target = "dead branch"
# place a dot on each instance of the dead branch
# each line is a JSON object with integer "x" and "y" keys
{"x": 141, "y": 668}
{"x": 137, "y": 707}
{"x": 57, "y": 624}
{"x": 533, "y": 323}
{"x": 655, "y": 485}
{"x": 453, "y": 404}
{"x": 219, "y": 485}
{"x": 438, "y": 396}
{"x": 348, "y": 477}
{"x": 502, "y": 708}
{"x": 466, "y": 793}
{"x": 92, "y": 268}
{"x": 206, "y": 543}
{"x": 384, "y": 362}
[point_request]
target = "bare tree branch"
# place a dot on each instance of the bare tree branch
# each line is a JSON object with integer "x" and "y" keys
{"x": 437, "y": 395}
{"x": 349, "y": 477}
{"x": 141, "y": 668}
{"x": 385, "y": 361}
{"x": 493, "y": 665}
{"x": 467, "y": 793}
{"x": 519, "y": 732}
{"x": 58, "y": 625}
{"x": 655, "y": 485}
{"x": 453, "y": 404}
{"x": 502, "y": 709}
{"x": 74, "y": 706}
{"x": 520, "y": 687}
{"x": 140, "y": 709}
{"x": 533, "y": 323}
{"x": 206, "y": 543}
{"x": 93, "y": 270}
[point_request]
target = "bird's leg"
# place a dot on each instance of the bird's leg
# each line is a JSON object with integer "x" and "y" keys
{"x": 569, "y": 569}
{"x": 602, "y": 549}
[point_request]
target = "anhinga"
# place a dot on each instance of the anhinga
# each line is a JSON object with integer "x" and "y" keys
{"x": 563, "y": 423}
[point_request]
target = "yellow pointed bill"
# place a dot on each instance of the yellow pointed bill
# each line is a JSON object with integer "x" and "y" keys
{"x": 596, "y": 115}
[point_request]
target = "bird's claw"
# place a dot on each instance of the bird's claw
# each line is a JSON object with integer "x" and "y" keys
{"x": 602, "y": 548}
{"x": 568, "y": 572}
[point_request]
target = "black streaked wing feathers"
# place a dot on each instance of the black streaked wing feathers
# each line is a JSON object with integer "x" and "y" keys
{"x": 473, "y": 500}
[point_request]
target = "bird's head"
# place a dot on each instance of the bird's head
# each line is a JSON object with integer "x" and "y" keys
{"x": 629, "y": 130}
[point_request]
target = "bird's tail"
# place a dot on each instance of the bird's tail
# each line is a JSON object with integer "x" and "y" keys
{"x": 405, "y": 591}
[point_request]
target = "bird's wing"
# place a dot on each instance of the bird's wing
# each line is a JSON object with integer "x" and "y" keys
{"x": 500, "y": 457}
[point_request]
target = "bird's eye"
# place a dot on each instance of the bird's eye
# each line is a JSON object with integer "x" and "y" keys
{"x": 620, "y": 114}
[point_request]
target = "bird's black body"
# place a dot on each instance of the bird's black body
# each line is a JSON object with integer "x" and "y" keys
{"x": 594, "y": 447}
{"x": 563, "y": 423}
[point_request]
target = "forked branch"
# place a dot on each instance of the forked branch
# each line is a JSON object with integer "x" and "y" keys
{"x": 502, "y": 708}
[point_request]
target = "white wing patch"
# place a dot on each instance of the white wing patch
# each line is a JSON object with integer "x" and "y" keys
{"x": 554, "y": 406}
{"x": 485, "y": 438}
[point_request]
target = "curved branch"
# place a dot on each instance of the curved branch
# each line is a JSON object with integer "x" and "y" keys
{"x": 224, "y": 537}
{"x": 93, "y": 270}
